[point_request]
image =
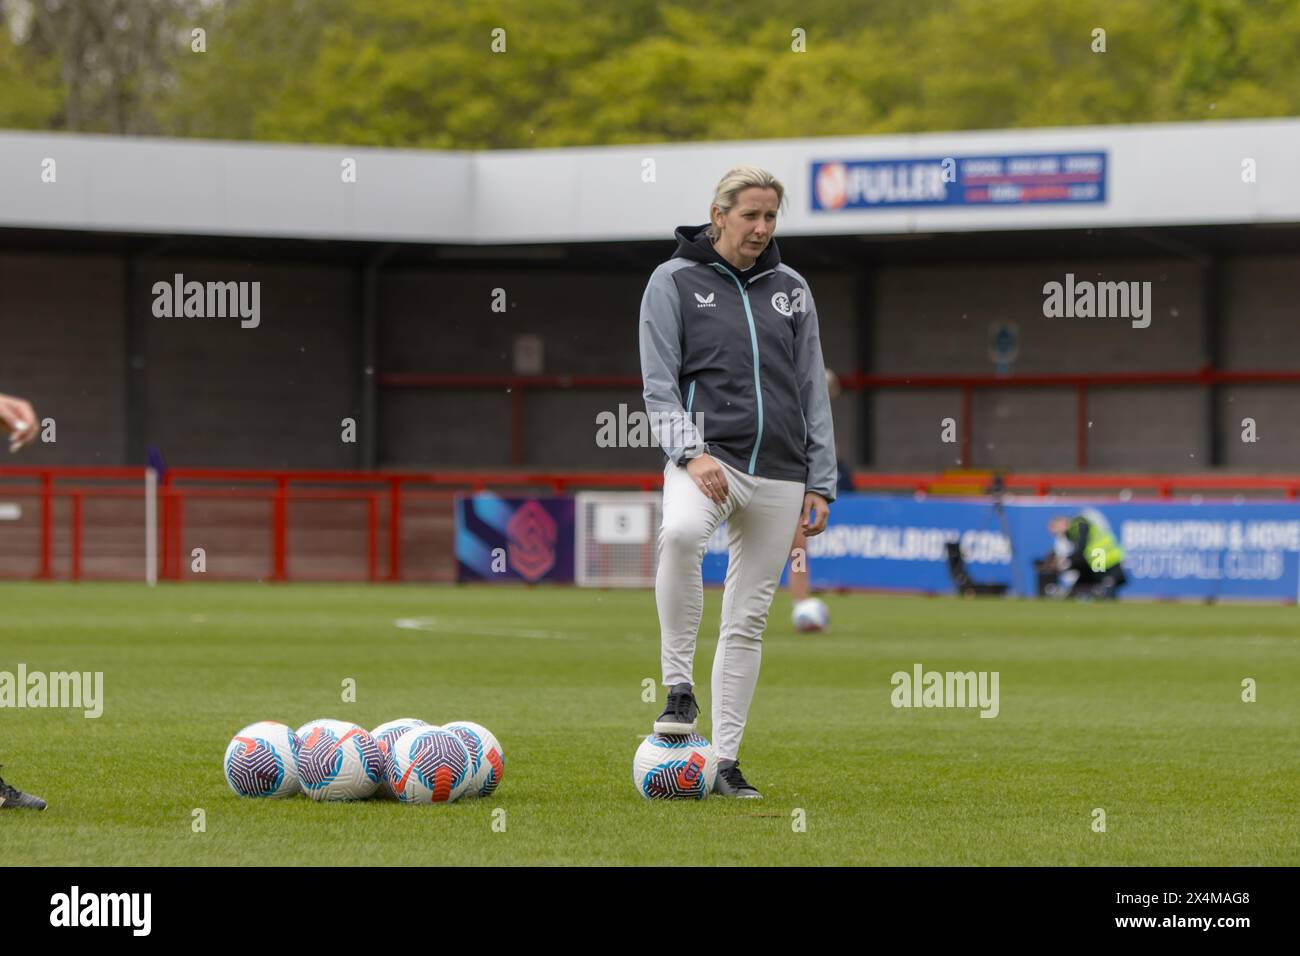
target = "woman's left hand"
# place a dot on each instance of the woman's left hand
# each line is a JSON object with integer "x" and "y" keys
{"x": 811, "y": 501}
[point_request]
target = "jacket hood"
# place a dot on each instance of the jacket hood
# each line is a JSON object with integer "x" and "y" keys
{"x": 693, "y": 243}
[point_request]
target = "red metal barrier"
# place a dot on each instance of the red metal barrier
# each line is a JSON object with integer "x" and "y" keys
{"x": 76, "y": 535}
{"x": 281, "y": 488}
{"x": 45, "y": 491}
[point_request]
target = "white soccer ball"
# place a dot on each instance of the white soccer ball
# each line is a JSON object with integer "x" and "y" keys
{"x": 385, "y": 736}
{"x": 261, "y": 761}
{"x": 811, "y": 616}
{"x": 338, "y": 761}
{"x": 487, "y": 759}
{"x": 429, "y": 765}
{"x": 674, "y": 767}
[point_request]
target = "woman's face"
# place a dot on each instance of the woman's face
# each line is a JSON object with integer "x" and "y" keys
{"x": 747, "y": 228}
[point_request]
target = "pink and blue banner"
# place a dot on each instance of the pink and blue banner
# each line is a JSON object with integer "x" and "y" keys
{"x": 514, "y": 539}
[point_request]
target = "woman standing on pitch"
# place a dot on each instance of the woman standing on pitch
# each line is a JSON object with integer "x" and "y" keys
{"x": 736, "y": 392}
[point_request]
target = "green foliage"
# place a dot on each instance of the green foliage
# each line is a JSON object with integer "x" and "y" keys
{"x": 255, "y": 51}
{"x": 104, "y": 63}
{"x": 29, "y": 89}
{"x": 424, "y": 73}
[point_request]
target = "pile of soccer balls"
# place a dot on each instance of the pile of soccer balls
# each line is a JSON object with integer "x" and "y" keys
{"x": 404, "y": 759}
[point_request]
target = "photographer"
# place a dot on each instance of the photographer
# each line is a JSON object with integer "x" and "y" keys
{"x": 1086, "y": 549}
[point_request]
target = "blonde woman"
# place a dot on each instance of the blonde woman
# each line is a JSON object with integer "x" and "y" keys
{"x": 735, "y": 384}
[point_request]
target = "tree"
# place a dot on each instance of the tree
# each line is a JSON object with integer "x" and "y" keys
{"x": 112, "y": 58}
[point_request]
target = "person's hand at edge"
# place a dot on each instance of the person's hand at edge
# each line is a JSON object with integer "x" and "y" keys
{"x": 18, "y": 419}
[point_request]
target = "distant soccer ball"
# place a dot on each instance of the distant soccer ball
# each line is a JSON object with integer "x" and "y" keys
{"x": 487, "y": 759}
{"x": 429, "y": 765}
{"x": 338, "y": 761}
{"x": 261, "y": 761}
{"x": 385, "y": 736}
{"x": 810, "y": 616}
{"x": 674, "y": 767}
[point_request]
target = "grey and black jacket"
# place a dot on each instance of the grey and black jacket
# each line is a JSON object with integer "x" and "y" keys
{"x": 738, "y": 352}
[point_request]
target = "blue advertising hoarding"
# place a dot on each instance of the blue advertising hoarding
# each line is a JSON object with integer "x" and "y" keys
{"x": 1246, "y": 550}
{"x": 1009, "y": 180}
{"x": 893, "y": 543}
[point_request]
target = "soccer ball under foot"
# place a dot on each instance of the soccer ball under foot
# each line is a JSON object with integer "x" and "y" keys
{"x": 674, "y": 767}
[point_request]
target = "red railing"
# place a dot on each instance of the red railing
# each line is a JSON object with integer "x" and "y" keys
{"x": 390, "y": 491}
{"x": 46, "y": 491}
{"x": 967, "y": 385}
{"x": 387, "y": 490}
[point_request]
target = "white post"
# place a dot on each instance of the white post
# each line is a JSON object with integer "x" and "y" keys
{"x": 151, "y": 526}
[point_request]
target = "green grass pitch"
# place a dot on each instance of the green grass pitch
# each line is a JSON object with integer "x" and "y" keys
{"x": 1134, "y": 709}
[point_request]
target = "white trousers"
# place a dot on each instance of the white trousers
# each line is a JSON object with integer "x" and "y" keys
{"x": 761, "y": 516}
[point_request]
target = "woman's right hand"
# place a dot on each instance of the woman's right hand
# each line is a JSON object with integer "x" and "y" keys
{"x": 709, "y": 477}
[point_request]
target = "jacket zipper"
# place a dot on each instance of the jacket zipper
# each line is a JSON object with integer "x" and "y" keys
{"x": 753, "y": 340}
{"x": 690, "y": 396}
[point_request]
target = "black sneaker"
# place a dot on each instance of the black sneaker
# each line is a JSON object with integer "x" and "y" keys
{"x": 14, "y": 799}
{"x": 679, "y": 713}
{"x": 731, "y": 783}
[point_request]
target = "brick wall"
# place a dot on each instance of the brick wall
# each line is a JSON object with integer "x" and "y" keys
{"x": 937, "y": 320}
{"x": 63, "y": 346}
{"x": 212, "y": 393}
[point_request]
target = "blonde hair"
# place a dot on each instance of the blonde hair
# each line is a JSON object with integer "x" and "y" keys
{"x": 734, "y": 183}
